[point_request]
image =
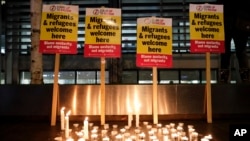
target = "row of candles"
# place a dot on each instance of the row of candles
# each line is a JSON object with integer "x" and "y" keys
{"x": 65, "y": 124}
{"x": 169, "y": 132}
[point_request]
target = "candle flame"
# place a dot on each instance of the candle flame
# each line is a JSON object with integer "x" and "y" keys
{"x": 209, "y": 137}
{"x": 68, "y": 113}
{"x": 86, "y": 118}
{"x": 62, "y": 108}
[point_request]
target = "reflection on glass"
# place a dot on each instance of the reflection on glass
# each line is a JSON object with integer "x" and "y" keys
{"x": 2, "y": 78}
{"x": 99, "y": 77}
{"x": 86, "y": 77}
{"x": 67, "y": 77}
{"x": 168, "y": 76}
{"x": 213, "y": 77}
{"x": 145, "y": 77}
{"x": 190, "y": 77}
{"x": 129, "y": 77}
{"x": 25, "y": 78}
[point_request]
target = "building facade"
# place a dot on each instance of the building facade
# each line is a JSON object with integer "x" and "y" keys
{"x": 76, "y": 69}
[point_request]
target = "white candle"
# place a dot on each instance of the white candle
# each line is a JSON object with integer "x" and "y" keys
{"x": 184, "y": 138}
{"x": 142, "y": 136}
{"x": 165, "y": 138}
{"x": 128, "y": 139}
{"x": 81, "y": 139}
{"x": 105, "y": 139}
{"x": 94, "y": 136}
{"x": 70, "y": 139}
{"x": 86, "y": 128}
{"x": 130, "y": 118}
{"x": 209, "y": 137}
{"x": 137, "y": 116}
{"x": 62, "y": 118}
{"x": 194, "y": 136}
{"x": 118, "y": 137}
{"x": 204, "y": 139}
{"x": 67, "y": 125}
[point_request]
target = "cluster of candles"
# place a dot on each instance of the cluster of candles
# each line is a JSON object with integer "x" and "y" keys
{"x": 146, "y": 132}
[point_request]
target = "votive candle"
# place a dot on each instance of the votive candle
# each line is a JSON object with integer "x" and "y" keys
{"x": 86, "y": 128}
{"x": 62, "y": 118}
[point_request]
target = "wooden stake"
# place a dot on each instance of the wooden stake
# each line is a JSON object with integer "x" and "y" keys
{"x": 102, "y": 91}
{"x": 208, "y": 88}
{"x": 55, "y": 90}
{"x": 155, "y": 96}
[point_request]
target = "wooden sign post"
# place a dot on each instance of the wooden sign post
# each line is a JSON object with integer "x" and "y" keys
{"x": 155, "y": 96}
{"x": 57, "y": 43}
{"x": 154, "y": 53}
{"x": 55, "y": 90}
{"x": 208, "y": 89}
{"x": 206, "y": 41}
{"x": 103, "y": 95}
{"x": 98, "y": 45}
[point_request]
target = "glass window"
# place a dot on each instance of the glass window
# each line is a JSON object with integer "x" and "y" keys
{"x": 190, "y": 77}
{"x": 169, "y": 76}
{"x": 129, "y": 77}
{"x": 25, "y": 78}
{"x": 2, "y": 49}
{"x": 145, "y": 77}
{"x": 99, "y": 77}
{"x": 67, "y": 77}
{"x": 48, "y": 77}
{"x": 2, "y": 79}
{"x": 235, "y": 77}
{"x": 213, "y": 76}
{"x": 86, "y": 77}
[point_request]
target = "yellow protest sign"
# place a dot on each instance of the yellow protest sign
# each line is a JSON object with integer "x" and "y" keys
{"x": 206, "y": 28}
{"x": 102, "y": 32}
{"x": 59, "y": 26}
{"x": 154, "y": 42}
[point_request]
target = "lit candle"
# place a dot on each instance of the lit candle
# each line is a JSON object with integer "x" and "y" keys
{"x": 204, "y": 139}
{"x": 94, "y": 136}
{"x": 69, "y": 139}
{"x": 67, "y": 125}
{"x": 184, "y": 138}
{"x": 128, "y": 139}
{"x": 137, "y": 116}
{"x": 130, "y": 118}
{"x": 209, "y": 137}
{"x": 190, "y": 132}
{"x": 142, "y": 136}
{"x": 105, "y": 139}
{"x": 86, "y": 128}
{"x": 118, "y": 137}
{"x": 62, "y": 118}
{"x": 194, "y": 136}
{"x": 81, "y": 139}
{"x": 165, "y": 138}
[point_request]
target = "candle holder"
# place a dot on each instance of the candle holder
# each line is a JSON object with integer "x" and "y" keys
{"x": 142, "y": 136}
{"x": 194, "y": 136}
{"x": 145, "y": 123}
{"x": 115, "y": 126}
{"x": 104, "y": 133}
{"x": 119, "y": 137}
{"x": 105, "y": 139}
{"x": 94, "y": 137}
{"x": 106, "y": 126}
